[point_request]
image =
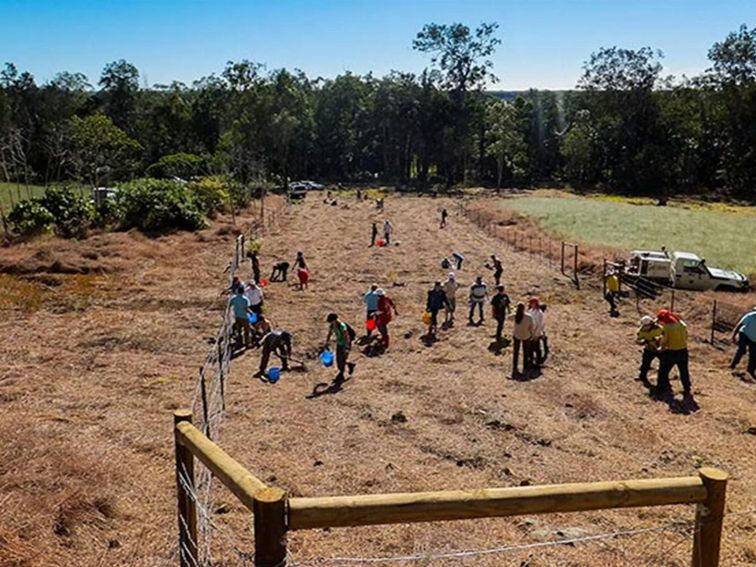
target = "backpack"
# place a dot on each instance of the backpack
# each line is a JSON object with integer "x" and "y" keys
{"x": 351, "y": 332}
{"x": 445, "y": 264}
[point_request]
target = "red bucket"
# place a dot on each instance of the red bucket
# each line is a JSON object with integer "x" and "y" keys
{"x": 370, "y": 324}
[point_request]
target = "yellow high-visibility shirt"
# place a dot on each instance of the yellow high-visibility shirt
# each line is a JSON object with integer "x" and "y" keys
{"x": 675, "y": 336}
{"x": 648, "y": 337}
{"x": 612, "y": 283}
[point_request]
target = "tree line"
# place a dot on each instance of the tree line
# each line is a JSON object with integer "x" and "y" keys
{"x": 624, "y": 128}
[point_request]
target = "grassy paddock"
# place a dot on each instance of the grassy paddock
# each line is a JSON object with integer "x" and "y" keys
{"x": 9, "y": 193}
{"x": 726, "y": 237}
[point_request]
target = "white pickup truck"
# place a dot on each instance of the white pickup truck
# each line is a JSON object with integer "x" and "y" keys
{"x": 683, "y": 270}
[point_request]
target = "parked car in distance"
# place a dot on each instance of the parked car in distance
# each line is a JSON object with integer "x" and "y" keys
{"x": 683, "y": 270}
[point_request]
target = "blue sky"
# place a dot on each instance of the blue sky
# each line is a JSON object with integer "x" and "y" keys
{"x": 544, "y": 41}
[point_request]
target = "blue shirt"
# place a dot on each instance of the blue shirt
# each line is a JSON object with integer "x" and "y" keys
{"x": 371, "y": 300}
{"x": 240, "y": 304}
{"x": 748, "y": 322}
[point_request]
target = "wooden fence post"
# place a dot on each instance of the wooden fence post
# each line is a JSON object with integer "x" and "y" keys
{"x": 187, "y": 508}
{"x": 220, "y": 372}
{"x": 707, "y": 537}
{"x": 561, "y": 261}
{"x": 575, "y": 267}
{"x": 269, "y": 510}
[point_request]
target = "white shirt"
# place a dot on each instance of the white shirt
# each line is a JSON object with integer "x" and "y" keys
{"x": 387, "y": 228}
{"x": 538, "y": 322}
{"x": 450, "y": 288}
{"x": 254, "y": 294}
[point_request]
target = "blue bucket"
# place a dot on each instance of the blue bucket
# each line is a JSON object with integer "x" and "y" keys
{"x": 273, "y": 375}
{"x": 252, "y": 318}
{"x": 326, "y": 357}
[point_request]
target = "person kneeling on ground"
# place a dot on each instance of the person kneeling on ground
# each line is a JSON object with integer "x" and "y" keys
{"x": 674, "y": 352}
{"x": 649, "y": 335}
{"x": 744, "y": 335}
{"x": 344, "y": 337}
{"x": 278, "y": 343}
{"x": 280, "y": 269}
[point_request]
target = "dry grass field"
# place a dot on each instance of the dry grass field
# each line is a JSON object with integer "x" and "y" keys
{"x": 92, "y": 362}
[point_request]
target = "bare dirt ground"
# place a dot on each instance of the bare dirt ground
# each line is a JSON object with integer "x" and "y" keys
{"x": 87, "y": 388}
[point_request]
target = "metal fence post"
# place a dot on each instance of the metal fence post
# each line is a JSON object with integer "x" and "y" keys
{"x": 186, "y": 506}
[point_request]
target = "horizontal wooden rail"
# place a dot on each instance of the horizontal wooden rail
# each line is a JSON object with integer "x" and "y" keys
{"x": 342, "y": 511}
{"x": 236, "y": 478}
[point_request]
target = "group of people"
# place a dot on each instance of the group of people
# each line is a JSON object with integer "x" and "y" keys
{"x": 388, "y": 230}
{"x": 664, "y": 338}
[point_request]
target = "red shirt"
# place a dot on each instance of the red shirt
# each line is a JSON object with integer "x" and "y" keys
{"x": 385, "y": 306}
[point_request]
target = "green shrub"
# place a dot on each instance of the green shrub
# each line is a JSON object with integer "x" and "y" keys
{"x": 211, "y": 193}
{"x": 184, "y": 166}
{"x": 155, "y": 205}
{"x": 72, "y": 213}
{"x": 29, "y": 218}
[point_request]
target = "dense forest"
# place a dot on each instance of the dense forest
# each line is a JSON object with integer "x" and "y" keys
{"x": 624, "y": 128}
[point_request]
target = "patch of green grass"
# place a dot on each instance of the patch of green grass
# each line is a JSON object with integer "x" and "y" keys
{"x": 725, "y": 237}
{"x": 9, "y": 193}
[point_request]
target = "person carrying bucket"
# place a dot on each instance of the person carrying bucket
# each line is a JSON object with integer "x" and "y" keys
{"x": 278, "y": 343}
{"x": 450, "y": 287}
{"x": 371, "y": 304}
{"x": 343, "y": 337}
{"x": 385, "y": 306}
{"x": 388, "y": 229}
{"x": 436, "y": 301}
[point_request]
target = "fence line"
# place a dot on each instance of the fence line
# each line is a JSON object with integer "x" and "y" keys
{"x": 552, "y": 253}
{"x": 209, "y": 399}
{"x": 274, "y": 514}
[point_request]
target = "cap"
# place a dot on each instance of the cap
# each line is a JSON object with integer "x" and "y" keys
{"x": 646, "y": 321}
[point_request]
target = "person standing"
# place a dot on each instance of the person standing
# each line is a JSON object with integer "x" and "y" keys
{"x": 300, "y": 261}
{"x": 254, "y": 293}
{"x": 255, "y": 266}
{"x": 371, "y": 305}
{"x": 373, "y": 233}
{"x": 612, "y": 292}
{"x": 534, "y": 310}
{"x": 544, "y": 336}
{"x": 500, "y": 308}
{"x": 649, "y": 336}
{"x": 240, "y": 306}
{"x": 385, "y": 306}
{"x": 436, "y": 301}
{"x": 478, "y": 296}
{"x": 388, "y": 229}
{"x": 674, "y": 352}
{"x": 497, "y": 268}
{"x": 522, "y": 336}
{"x": 744, "y": 335}
{"x": 343, "y": 338}
{"x": 444, "y": 214}
{"x": 278, "y": 343}
{"x": 450, "y": 290}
